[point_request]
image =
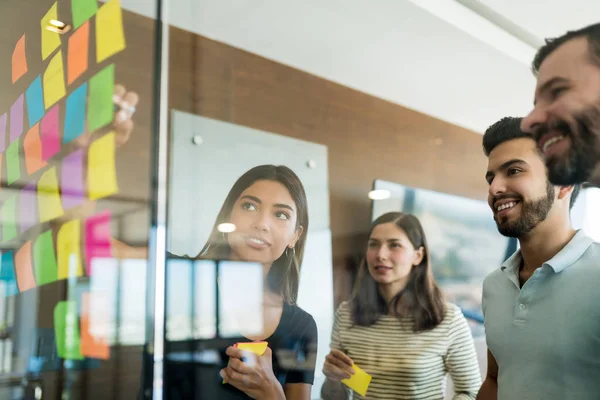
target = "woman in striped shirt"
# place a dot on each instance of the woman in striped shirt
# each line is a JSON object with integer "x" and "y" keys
{"x": 397, "y": 327}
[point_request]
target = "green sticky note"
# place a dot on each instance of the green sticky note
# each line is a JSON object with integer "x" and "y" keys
{"x": 100, "y": 102}
{"x": 9, "y": 219}
{"x": 66, "y": 331}
{"x": 82, "y": 11}
{"x": 13, "y": 169}
{"x": 44, "y": 259}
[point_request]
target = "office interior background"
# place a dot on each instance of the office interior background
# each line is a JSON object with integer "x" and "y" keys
{"x": 376, "y": 105}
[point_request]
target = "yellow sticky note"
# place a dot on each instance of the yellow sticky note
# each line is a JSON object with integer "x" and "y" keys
{"x": 359, "y": 382}
{"x": 257, "y": 348}
{"x": 49, "y": 203}
{"x": 68, "y": 250}
{"x": 54, "y": 81}
{"x": 110, "y": 38}
{"x": 102, "y": 175}
{"x": 50, "y": 40}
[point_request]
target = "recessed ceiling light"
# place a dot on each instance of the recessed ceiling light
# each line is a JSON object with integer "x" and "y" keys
{"x": 380, "y": 194}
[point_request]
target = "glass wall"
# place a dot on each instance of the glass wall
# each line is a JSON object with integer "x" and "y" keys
{"x": 76, "y": 148}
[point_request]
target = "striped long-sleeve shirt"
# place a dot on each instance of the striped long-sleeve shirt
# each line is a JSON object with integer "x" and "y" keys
{"x": 408, "y": 365}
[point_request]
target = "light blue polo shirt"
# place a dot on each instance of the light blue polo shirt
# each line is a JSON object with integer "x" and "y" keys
{"x": 545, "y": 336}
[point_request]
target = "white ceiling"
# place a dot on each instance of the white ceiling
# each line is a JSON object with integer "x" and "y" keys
{"x": 433, "y": 56}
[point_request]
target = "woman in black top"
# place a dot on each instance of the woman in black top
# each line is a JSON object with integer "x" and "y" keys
{"x": 268, "y": 207}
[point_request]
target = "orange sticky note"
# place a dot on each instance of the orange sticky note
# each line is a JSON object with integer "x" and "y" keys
{"x": 49, "y": 203}
{"x": 359, "y": 382}
{"x": 68, "y": 250}
{"x": 102, "y": 175}
{"x": 54, "y": 81}
{"x": 32, "y": 147}
{"x": 77, "y": 59}
{"x": 19, "y": 60}
{"x": 110, "y": 38}
{"x": 50, "y": 40}
{"x": 24, "y": 268}
{"x": 94, "y": 323}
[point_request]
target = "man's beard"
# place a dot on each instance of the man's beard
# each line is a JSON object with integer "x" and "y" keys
{"x": 532, "y": 213}
{"x": 579, "y": 161}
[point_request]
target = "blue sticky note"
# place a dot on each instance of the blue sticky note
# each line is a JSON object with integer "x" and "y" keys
{"x": 7, "y": 274}
{"x": 75, "y": 114}
{"x": 35, "y": 101}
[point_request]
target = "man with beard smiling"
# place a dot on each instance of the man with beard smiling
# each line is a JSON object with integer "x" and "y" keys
{"x": 541, "y": 314}
{"x": 566, "y": 116}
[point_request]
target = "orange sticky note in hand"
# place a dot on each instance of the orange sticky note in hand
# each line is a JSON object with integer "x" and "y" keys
{"x": 257, "y": 348}
{"x": 359, "y": 382}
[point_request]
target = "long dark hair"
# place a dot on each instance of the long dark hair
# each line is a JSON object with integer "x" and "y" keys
{"x": 421, "y": 299}
{"x": 284, "y": 276}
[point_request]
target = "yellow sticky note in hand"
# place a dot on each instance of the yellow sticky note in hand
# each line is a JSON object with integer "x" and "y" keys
{"x": 359, "y": 382}
{"x": 257, "y": 348}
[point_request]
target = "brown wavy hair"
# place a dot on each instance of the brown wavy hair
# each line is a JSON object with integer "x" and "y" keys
{"x": 284, "y": 276}
{"x": 421, "y": 299}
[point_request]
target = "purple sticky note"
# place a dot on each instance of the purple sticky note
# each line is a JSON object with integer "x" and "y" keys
{"x": 16, "y": 119}
{"x": 2, "y": 132}
{"x": 29, "y": 209}
{"x": 72, "y": 180}
{"x": 49, "y": 134}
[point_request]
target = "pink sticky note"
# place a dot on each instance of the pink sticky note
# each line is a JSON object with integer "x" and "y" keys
{"x": 49, "y": 134}
{"x": 72, "y": 180}
{"x": 97, "y": 238}
{"x": 2, "y": 133}
{"x": 16, "y": 119}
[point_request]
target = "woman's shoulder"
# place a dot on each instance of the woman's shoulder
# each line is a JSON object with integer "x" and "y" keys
{"x": 452, "y": 313}
{"x": 297, "y": 319}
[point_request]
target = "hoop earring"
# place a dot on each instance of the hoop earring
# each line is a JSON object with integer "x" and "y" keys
{"x": 287, "y": 253}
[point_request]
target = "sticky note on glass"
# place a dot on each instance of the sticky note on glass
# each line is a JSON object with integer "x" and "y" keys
{"x": 72, "y": 180}
{"x": 16, "y": 119}
{"x": 77, "y": 58}
{"x": 54, "y": 81}
{"x": 66, "y": 330}
{"x": 28, "y": 217}
{"x": 13, "y": 163}
{"x": 50, "y": 134}
{"x": 19, "y": 60}
{"x": 7, "y": 274}
{"x": 24, "y": 268}
{"x": 75, "y": 114}
{"x": 97, "y": 239}
{"x": 50, "y": 40}
{"x": 102, "y": 175}
{"x": 44, "y": 259}
{"x": 9, "y": 219}
{"x": 32, "y": 147}
{"x": 359, "y": 382}
{"x": 2, "y": 133}
{"x": 48, "y": 196}
{"x": 35, "y": 101}
{"x": 110, "y": 38}
{"x": 100, "y": 102}
{"x": 82, "y": 11}
{"x": 94, "y": 326}
{"x": 68, "y": 250}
